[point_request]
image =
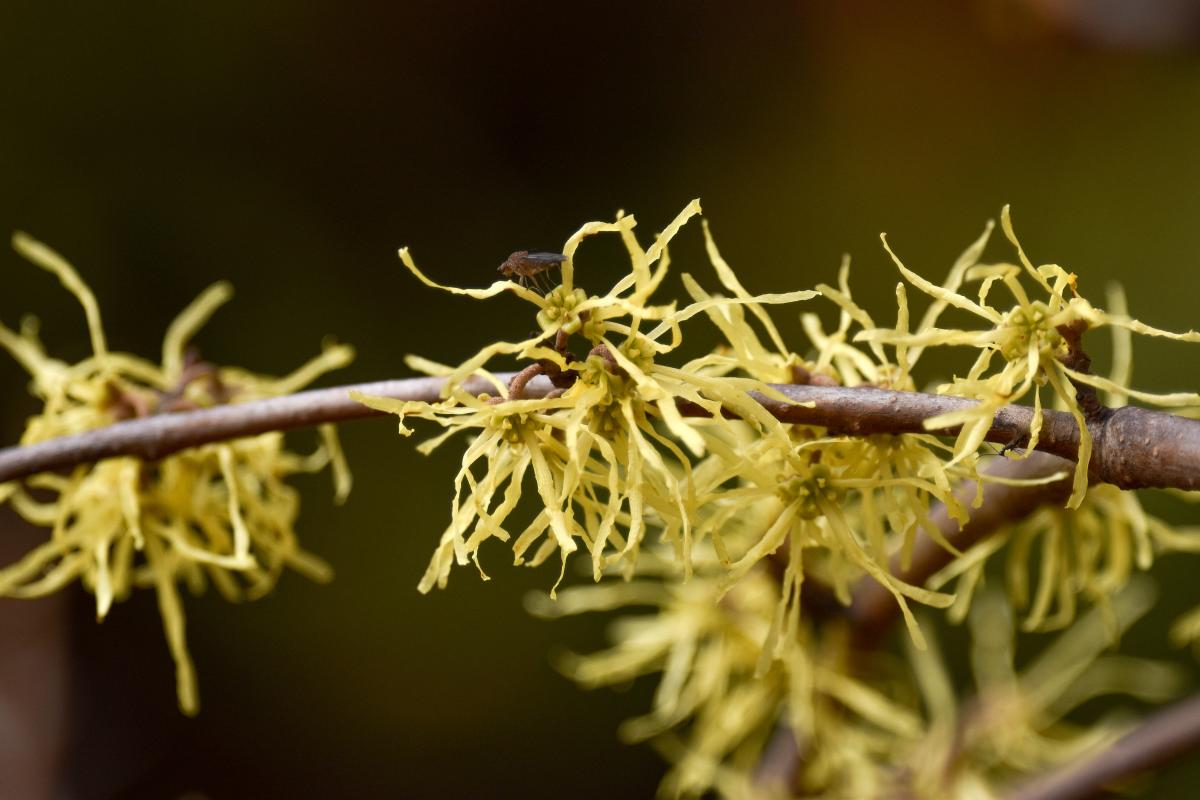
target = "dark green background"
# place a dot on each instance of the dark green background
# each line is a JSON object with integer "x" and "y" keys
{"x": 293, "y": 147}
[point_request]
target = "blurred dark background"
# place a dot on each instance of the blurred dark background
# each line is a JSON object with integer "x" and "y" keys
{"x": 293, "y": 147}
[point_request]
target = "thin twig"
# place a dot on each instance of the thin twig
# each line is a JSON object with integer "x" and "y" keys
{"x": 1157, "y": 740}
{"x": 156, "y": 437}
{"x": 780, "y": 761}
{"x": 874, "y": 609}
{"x": 1132, "y": 447}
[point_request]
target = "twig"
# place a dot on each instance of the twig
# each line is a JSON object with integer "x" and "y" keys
{"x": 1078, "y": 359}
{"x": 516, "y": 387}
{"x": 874, "y": 609}
{"x": 780, "y": 760}
{"x": 1132, "y": 447}
{"x": 1157, "y": 740}
{"x": 155, "y": 437}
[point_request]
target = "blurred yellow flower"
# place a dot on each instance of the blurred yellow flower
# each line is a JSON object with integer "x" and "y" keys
{"x": 1017, "y": 724}
{"x": 220, "y": 512}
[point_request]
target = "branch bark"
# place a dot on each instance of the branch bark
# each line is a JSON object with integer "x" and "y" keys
{"x": 155, "y": 437}
{"x": 1133, "y": 447}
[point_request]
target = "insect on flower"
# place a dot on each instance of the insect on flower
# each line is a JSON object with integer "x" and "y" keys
{"x": 529, "y": 267}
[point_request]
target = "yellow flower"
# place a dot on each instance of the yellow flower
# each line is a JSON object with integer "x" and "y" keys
{"x": 709, "y": 708}
{"x": 833, "y": 506}
{"x": 1017, "y": 724}
{"x": 220, "y": 512}
{"x": 715, "y": 708}
{"x": 601, "y": 446}
{"x": 827, "y": 510}
{"x": 1086, "y": 554}
{"x": 512, "y": 440}
{"x": 1032, "y": 339}
{"x": 567, "y": 307}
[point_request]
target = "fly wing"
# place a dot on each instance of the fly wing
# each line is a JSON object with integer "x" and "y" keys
{"x": 546, "y": 260}
{"x": 526, "y": 264}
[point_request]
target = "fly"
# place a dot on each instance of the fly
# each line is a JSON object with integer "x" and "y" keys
{"x": 529, "y": 268}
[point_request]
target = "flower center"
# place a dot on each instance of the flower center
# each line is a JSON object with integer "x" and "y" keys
{"x": 559, "y": 312}
{"x": 1028, "y": 327}
{"x": 511, "y": 427}
{"x": 808, "y": 490}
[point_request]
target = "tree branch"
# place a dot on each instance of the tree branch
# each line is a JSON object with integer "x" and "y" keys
{"x": 1157, "y": 740}
{"x": 155, "y": 437}
{"x": 1132, "y": 447}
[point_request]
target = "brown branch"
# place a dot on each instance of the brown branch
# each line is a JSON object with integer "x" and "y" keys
{"x": 516, "y": 387}
{"x": 155, "y": 437}
{"x": 1157, "y": 740}
{"x": 1077, "y": 359}
{"x": 780, "y": 761}
{"x": 1132, "y": 447}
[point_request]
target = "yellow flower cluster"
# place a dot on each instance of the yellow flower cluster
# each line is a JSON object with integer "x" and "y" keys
{"x": 689, "y": 497}
{"x": 713, "y": 711}
{"x": 850, "y": 503}
{"x": 1083, "y": 555}
{"x": 612, "y": 456}
{"x": 1022, "y": 348}
{"x": 900, "y": 724}
{"x": 749, "y": 509}
{"x": 221, "y": 513}
{"x": 602, "y": 447}
{"x": 1018, "y": 721}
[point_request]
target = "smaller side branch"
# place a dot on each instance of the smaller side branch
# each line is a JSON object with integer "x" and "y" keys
{"x": 1158, "y": 740}
{"x": 873, "y": 609}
